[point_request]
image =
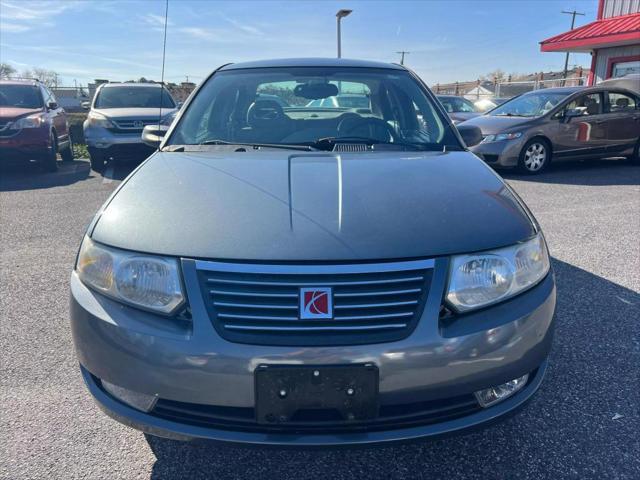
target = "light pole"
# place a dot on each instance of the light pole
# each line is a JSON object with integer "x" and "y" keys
{"x": 339, "y": 16}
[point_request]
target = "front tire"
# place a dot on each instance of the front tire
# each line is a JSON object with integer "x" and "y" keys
{"x": 50, "y": 161}
{"x": 635, "y": 156}
{"x": 535, "y": 156}
{"x": 97, "y": 160}
{"x": 67, "y": 153}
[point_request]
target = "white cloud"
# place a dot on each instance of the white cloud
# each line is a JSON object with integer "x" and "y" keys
{"x": 197, "y": 32}
{"x": 13, "y": 27}
{"x": 28, "y": 15}
{"x": 155, "y": 20}
{"x": 245, "y": 27}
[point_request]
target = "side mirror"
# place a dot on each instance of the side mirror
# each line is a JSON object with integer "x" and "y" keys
{"x": 86, "y": 105}
{"x": 152, "y": 135}
{"x": 52, "y": 105}
{"x": 471, "y": 134}
{"x": 568, "y": 114}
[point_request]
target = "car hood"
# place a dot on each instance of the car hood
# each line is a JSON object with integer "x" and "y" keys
{"x": 137, "y": 113}
{"x": 462, "y": 116}
{"x": 490, "y": 125}
{"x": 280, "y": 205}
{"x": 13, "y": 113}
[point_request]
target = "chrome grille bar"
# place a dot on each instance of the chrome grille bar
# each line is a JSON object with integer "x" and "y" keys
{"x": 261, "y": 303}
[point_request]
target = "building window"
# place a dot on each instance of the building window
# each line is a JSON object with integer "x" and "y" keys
{"x": 620, "y": 69}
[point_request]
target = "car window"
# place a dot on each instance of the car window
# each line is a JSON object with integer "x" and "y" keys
{"x": 384, "y": 105}
{"x": 20, "y": 96}
{"x": 134, "y": 97}
{"x": 585, "y": 105}
{"x": 531, "y": 104}
{"x": 621, "y": 102}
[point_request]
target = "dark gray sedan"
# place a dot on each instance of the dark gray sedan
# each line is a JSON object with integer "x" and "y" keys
{"x": 297, "y": 275}
{"x": 533, "y": 129}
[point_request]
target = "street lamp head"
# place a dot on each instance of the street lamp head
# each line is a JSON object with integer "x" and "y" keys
{"x": 343, "y": 13}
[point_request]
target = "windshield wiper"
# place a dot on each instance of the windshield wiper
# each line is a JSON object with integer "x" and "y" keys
{"x": 327, "y": 143}
{"x": 258, "y": 145}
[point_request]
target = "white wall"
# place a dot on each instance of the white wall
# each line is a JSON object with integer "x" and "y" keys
{"x": 604, "y": 54}
{"x": 613, "y": 8}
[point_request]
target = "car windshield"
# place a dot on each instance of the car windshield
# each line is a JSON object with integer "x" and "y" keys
{"x": 457, "y": 105}
{"x": 530, "y": 104}
{"x": 20, "y": 96}
{"x": 315, "y": 107}
{"x": 134, "y": 97}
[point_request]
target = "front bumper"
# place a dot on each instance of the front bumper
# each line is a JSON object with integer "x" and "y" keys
{"x": 193, "y": 364}
{"x": 24, "y": 145}
{"x": 123, "y": 146}
{"x": 504, "y": 153}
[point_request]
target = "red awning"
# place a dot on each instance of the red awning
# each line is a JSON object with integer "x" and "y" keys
{"x": 607, "y": 32}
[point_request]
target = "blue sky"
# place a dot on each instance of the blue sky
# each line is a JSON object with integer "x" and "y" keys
{"x": 122, "y": 39}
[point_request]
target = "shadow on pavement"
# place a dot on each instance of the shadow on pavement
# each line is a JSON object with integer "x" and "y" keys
{"x": 119, "y": 170}
{"x": 587, "y": 172}
{"x": 31, "y": 177}
{"x": 583, "y": 422}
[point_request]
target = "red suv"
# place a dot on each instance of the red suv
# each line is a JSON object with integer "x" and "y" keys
{"x": 32, "y": 124}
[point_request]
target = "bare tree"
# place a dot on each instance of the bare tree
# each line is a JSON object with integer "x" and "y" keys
{"x": 49, "y": 77}
{"x": 6, "y": 70}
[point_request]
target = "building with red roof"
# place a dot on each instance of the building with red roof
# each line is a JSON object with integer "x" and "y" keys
{"x": 613, "y": 40}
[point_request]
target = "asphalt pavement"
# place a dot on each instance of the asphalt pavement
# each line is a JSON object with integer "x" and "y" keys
{"x": 583, "y": 423}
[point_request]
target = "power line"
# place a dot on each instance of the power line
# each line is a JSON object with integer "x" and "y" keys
{"x": 402, "y": 53}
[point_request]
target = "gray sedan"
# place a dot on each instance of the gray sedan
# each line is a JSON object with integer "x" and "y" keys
{"x": 560, "y": 123}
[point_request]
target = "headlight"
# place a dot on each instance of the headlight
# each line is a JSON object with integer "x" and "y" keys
{"x": 32, "y": 121}
{"x": 144, "y": 281}
{"x": 501, "y": 136}
{"x": 95, "y": 119}
{"x": 482, "y": 279}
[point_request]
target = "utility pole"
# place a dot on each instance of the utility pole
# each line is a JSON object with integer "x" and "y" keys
{"x": 566, "y": 58}
{"x": 402, "y": 53}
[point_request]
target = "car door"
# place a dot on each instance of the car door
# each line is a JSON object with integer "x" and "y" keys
{"x": 56, "y": 115}
{"x": 623, "y": 112}
{"x": 582, "y": 127}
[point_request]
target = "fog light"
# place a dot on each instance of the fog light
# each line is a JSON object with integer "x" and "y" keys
{"x": 139, "y": 401}
{"x": 493, "y": 395}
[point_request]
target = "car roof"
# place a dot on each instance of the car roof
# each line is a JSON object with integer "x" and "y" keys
{"x": 130, "y": 84}
{"x": 567, "y": 90}
{"x": 20, "y": 81}
{"x": 312, "y": 62}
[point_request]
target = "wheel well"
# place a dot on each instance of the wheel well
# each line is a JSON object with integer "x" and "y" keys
{"x": 55, "y": 136}
{"x": 544, "y": 139}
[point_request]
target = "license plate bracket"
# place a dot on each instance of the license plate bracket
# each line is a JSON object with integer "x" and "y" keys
{"x": 299, "y": 394}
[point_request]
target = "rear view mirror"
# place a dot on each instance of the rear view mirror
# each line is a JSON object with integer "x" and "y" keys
{"x": 152, "y": 135}
{"x": 314, "y": 91}
{"x": 471, "y": 135}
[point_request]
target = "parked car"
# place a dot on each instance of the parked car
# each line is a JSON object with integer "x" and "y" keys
{"x": 629, "y": 82}
{"x": 118, "y": 114}
{"x": 344, "y": 100}
{"x": 487, "y": 104}
{"x": 345, "y": 278}
{"x": 458, "y": 108}
{"x": 535, "y": 128}
{"x": 32, "y": 125}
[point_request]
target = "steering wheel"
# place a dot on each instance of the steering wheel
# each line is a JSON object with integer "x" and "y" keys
{"x": 265, "y": 112}
{"x": 353, "y": 125}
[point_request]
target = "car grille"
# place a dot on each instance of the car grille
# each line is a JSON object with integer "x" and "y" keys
{"x": 131, "y": 125}
{"x": 389, "y": 416}
{"x": 260, "y": 304}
